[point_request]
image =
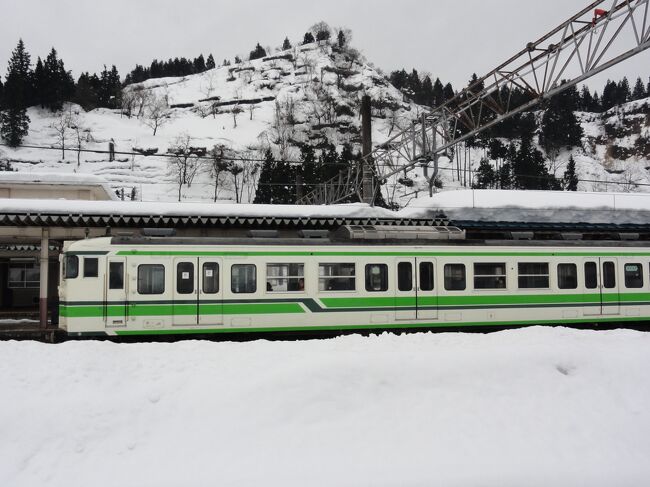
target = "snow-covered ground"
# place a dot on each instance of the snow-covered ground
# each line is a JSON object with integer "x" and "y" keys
{"x": 533, "y": 407}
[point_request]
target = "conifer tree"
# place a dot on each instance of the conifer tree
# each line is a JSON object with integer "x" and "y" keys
{"x": 639, "y": 90}
{"x": 1, "y": 94}
{"x": 560, "y": 127}
{"x": 264, "y": 192}
{"x": 485, "y": 176}
{"x": 257, "y": 53}
{"x": 610, "y": 95}
{"x": 209, "y": 63}
{"x": 623, "y": 92}
{"x": 570, "y": 179}
{"x": 309, "y": 38}
{"x": 286, "y": 45}
{"x": 341, "y": 40}
{"x": 199, "y": 64}
{"x": 309, "y": 169}
{"x": 14, "y": 122}
{"x": 53, "y": 84}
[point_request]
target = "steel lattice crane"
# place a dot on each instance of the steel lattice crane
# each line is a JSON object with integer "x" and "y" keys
{"x": 591, "y": 41}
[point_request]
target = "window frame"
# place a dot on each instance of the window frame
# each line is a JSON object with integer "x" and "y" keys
{"x": 352, "y": 277}
{"x": 66, "y": 266}
{"x": 110, "y": 274}
{"x": 433, "y": 276}
{"x": 217, "y": 277}
{"x": 86, "y": 260}
{"x": 287, "y": 278}
{"x": 164, "y": 283}
{"x": 640, "y": 275}
{"x": 383, "y": 277}
{"x": 558, "y": 275}
{"x": 400, "y": 281}
{"x": 485, "y": 277}
{"x": 232, "y": 276}
{"x": 446, "y": 278}
{"x": 547, "y": 275}
{"x": 191, "y": 279}
{"x": 23, "y": 282}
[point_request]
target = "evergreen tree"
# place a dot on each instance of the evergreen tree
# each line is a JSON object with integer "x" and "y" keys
{"x": 448, "y": 92}
{"x": 1, "y": 94}
{"x": 341, "y": 40}
{"x": 485, "y": 175}
{"x": 586, "y": 100}
{"x": 570, "y": 179}
{"x": 610, "y": 95}
{"x": 39, "y": 83}
{"x": 264, "y": 192}
{"x": 14, "y": 122}
{"x": 560, "y": 127}
{"x": 86, "y": 91}
{"x": 529, "y": 169}
{"x": 623, "y": 92}
{"x": 199, "y": 64}
{"x": 286, "y": 45}
{"x": 237, "y": 60}
{"x": 309, "y": 38}
{"x": 110, "y": 88}
{"x": 639, "y": 90}
{"x": 53, "y": 84}
{"x": 505, "y": 176}
{"x": 257, "y": 53}
{"x": 209, "y": 64}
{"x": 438, "y": 93}
{"x": 329, "y": 162}
{"x": 647, "y": 88}
{"x": 309, "y": 168}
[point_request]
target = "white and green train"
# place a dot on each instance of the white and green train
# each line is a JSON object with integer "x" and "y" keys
{"x": 143, "y": 286}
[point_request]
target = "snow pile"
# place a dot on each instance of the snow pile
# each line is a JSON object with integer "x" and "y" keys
{"x": 532, "y": 407}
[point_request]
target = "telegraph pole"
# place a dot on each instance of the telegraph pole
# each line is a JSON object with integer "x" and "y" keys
{"x": 367, "y": 192}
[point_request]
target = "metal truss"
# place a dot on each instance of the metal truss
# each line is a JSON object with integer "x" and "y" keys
{"x": 588, "y": 43}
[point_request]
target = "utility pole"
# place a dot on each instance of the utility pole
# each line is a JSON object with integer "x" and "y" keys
{"x": 367, "y": 192}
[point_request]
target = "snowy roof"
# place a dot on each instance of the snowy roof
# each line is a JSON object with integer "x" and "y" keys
{"x": 57, "y": 178}
{"x": 543, "y": 207}
{"x": 141, "y": 214}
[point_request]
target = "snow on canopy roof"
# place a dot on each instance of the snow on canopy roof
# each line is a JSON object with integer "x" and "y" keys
{"x": 534, "y": 206}
{"x": 141, "y": 214}
{"x": 57, "y": 178}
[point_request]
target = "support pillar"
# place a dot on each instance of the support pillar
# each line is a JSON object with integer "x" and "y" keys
{"x": 44, "y": 263}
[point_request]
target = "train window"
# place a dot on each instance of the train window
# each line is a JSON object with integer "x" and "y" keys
{"x": 591, "y": 275}
{"x": 24, "y": 275}
{"x": 533, "y": 275}
{"x": 376, "y": 278}
{"x": 426, "y": 276}
{"x": 285, "y": 278}
{"x": 633, "y": 276}
{"x": 490, "y": 276}
{"x": 455, "y": 277}
{"x": 567, "y": 276}
{"x": 210, "y": 283}
{"x": 185, "y": 278}
{"x": 116, "y": 275}
{"x": 405, "y": 276}
{"x": 609, "y": 275}
{"x": 91, "y": 266}
{"x": 336, "y": 277}
{"x": 243, "y": 278}
{"x": 70, "y": 266}
{"x": 151, "y": 279}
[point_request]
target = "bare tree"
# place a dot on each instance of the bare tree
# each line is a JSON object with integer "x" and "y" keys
{"x": 61, "y": 126}
{"x": 236, "y": 110}
{"x": 209, "y": 84}
{"x": 157, "y": 113}
{"x": 236, "y": 170}
{"x": 186, "y": 162}
{"x": 251, "y": 108}
{"x": 217, "y": 166}
{"x": 81, "y": 136}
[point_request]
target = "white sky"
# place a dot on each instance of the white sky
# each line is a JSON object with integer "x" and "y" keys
{"x": 449, "y": 39}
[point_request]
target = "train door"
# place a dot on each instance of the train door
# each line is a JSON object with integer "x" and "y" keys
{"x": 406, "y": 290}
{"x": 186, "y": 292}
{"x": 427, "y": 295}
{"x": 210, "y": 292}
{"x": 416, "y": 297}
{"x": 115, "y": 293}
{"x": 600, "y": 280}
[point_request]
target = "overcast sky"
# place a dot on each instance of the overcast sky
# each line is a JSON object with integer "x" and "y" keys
{"x": 450, "y": 38}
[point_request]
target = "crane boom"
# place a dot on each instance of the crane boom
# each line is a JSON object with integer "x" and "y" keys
{"x": 586, "y": 44}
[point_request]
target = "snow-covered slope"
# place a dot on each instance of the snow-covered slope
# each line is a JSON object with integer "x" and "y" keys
{"x": 307, "y": 94}
{"x": 533, "y": 407}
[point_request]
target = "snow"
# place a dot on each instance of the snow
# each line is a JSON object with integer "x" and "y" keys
{"x": 64, "y": 178}
{"x": 532, "y": 407}
{"x": 533, "y": 206}
{"x": 223, "y": 209}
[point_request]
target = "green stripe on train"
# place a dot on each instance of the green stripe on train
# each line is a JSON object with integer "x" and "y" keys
{"x": 424, "y": 253}
{"x": 392, "y": 326}
{"x": 180, "y": 310}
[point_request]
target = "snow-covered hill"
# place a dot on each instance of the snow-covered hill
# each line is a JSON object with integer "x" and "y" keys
{"x": 308, "y": 94}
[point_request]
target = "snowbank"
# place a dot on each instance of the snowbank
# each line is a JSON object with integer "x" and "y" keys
{"x": 533, "y": 407}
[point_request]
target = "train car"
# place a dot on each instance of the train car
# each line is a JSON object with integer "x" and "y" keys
{"x": 142, "y": 286}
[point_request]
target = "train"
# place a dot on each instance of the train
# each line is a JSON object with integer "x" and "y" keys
{"x": 373, "y": 279}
